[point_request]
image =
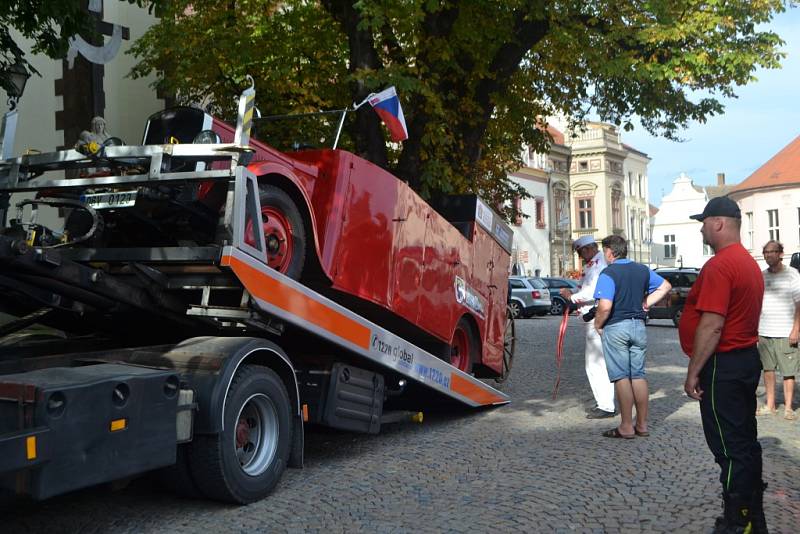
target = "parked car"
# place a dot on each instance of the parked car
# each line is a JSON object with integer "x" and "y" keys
{"x": 529, "y": 296}
{"x": 555, "y": 285}
{"x": 671, "y": 306}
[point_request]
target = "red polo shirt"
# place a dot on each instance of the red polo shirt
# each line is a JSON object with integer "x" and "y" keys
{"x": 729, "y": 284}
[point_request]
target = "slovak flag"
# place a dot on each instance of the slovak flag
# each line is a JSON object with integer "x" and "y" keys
{"x": 387, "y": 106}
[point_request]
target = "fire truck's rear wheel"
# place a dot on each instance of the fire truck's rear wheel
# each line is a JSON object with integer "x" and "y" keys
{"x": 509, "y": 346}
{"x": 245, "y": 461}
{"x": 463, "y": 348}
{"x": 284, "y": 231}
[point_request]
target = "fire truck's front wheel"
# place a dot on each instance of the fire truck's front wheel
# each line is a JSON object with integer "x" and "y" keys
{"x": 284, "y": 231}
{"x": 245, "y": 461}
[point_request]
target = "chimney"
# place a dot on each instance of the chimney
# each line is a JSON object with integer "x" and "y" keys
{"x": 720, "y": 178}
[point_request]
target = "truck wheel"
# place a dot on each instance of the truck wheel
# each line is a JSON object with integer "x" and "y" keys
{"x": 509, "y": 347}
{"x": 284, "y": 231}
{"x": 464, "y": 346}
{"x": 245, "y": 461}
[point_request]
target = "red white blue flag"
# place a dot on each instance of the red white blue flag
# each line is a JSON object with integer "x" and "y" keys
{"x": 387, "y": 106}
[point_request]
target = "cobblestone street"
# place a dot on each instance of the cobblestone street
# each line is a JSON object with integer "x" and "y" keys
{"x": 536, "y": 465}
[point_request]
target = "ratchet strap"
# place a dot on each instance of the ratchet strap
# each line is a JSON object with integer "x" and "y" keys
{"x": 562, "y": 331}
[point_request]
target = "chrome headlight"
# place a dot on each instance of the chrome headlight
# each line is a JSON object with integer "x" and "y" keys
{"x": 206, "y": 137}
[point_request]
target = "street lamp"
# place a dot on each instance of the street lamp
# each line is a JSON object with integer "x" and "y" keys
{"x": 17, "y": 76}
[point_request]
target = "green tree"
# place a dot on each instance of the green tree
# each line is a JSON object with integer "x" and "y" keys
{"x": 475, "y": 77}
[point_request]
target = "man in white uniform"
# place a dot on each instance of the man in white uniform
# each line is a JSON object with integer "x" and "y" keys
{"x": 779, "y": 328}
{"x": 602, "y": 388}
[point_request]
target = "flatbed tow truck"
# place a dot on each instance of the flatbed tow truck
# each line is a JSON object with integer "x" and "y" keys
{"x": 199, "y": 360}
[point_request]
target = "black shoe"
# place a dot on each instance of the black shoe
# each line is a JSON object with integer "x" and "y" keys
{"x": 597, "y": 413}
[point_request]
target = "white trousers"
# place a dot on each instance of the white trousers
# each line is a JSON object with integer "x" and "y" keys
{"x": 602, "y": 387}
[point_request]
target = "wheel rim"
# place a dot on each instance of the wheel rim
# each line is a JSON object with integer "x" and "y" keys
{"x": 514, "y": 307}
{"x": 278, "y": 237}
{"x": 460, "y": 350}
{"x": 557, "y": 308}
{"x": 256, "y": 435}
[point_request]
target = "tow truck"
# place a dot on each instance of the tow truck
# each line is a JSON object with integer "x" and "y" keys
{"x": 159, "y": 318}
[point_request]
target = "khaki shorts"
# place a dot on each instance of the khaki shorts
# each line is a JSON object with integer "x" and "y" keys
{"x": 776, "y": 353}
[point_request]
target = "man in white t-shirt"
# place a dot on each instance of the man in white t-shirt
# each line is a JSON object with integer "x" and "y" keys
{"x": 779, "y": 328}
{"x": 602, "y": 388}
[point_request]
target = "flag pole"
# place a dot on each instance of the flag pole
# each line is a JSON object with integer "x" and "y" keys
{"x": 339, "y": 129}
{"x": 344, "y": 113}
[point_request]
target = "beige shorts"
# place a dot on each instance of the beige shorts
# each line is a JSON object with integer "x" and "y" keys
{"x": 777, "y": 354}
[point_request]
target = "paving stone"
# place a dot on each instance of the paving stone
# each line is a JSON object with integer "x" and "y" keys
{"x": 535, "y": 465}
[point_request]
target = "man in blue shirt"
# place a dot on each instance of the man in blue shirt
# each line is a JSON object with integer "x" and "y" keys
{"x": 625, "y": 290}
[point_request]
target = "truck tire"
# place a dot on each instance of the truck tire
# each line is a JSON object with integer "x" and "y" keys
{"x": 464, "y": 346}
{"x": 178, "y": 477}
{"x": 244, "y": 462}
{"x": 284, "y": 231}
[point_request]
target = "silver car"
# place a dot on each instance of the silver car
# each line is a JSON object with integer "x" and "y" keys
{"x": 528, "y": 296}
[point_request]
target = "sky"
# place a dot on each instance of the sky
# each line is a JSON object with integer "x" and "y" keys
{"x": 752, "y": 129}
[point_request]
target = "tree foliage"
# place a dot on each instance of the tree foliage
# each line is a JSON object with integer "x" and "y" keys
{"x": 475, "y": 77}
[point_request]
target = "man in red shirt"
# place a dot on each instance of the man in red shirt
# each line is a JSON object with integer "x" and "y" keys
{"x": 719, "y": 332}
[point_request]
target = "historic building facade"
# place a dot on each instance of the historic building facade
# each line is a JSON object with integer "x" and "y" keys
{"x": 608, "y": 186}
{"x": 677, "y": 241}
{"x": 589, "y": 183}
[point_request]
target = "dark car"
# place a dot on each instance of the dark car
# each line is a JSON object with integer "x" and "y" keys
{"x": 555, "y": 285}
{"x": 671, "y": 306}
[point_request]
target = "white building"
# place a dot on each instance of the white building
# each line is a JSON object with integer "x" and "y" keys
{"x": 770, "y": 203}
{"x": 637, "y": 209}
{"x": 676, "y": 238}
{"x": 531, "y": 247}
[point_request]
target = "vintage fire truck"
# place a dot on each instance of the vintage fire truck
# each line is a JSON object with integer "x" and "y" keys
{"x": 187, "y": 304}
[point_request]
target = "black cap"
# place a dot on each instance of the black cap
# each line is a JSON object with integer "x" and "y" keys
{"x": 719, "y": 207}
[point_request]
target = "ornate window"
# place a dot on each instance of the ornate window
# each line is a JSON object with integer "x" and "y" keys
{"x": 616, "y": 207}
{"x": 585, "y": 212}
{"x": 561, "y": 207}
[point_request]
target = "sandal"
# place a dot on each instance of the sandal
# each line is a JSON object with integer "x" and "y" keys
{"x": 789, "y": 415}
{"x": 615, "y": 433}
{"x": 766, "y": 410}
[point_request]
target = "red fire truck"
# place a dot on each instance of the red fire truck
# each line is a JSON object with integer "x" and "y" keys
{"x": 189, "y": 303}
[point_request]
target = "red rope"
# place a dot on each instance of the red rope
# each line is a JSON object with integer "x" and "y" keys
{"x": 562, "y": 331}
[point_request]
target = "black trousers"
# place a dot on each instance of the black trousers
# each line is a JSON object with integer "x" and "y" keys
{"x": 728, "y": 410}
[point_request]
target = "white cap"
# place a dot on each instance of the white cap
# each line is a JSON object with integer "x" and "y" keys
{"x": 583, "y": 241}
